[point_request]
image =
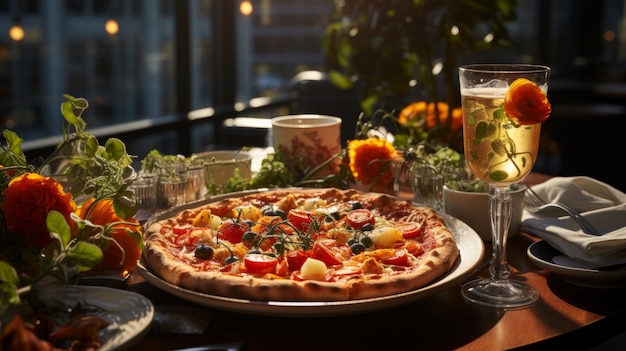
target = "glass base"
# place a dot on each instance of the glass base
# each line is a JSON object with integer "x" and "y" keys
{"x": 501, "y": 294}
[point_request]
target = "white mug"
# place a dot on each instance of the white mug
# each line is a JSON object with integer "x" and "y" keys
{"x": 309, "y": 140}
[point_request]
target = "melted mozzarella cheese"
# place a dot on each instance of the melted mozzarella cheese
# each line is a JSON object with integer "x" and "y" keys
{"x": 386, "y": 237}
{"x": 310, "y": 204}
{"x": 313, "y": 269}
{"x": 248, "y": 212}
{"x": 205, "y": 235}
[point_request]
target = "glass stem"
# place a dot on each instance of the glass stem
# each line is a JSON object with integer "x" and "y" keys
{"x": 500, "y": 208}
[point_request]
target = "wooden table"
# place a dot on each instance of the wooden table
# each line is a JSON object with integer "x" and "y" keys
{"x": 565, "y": 315}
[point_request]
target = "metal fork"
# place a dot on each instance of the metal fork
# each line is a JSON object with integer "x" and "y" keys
{"x": 535, "y": 203}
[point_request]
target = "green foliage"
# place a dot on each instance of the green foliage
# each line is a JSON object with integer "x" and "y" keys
{"x": 89, "y": 169}
{"x": 273, "y": 174}
{"x": 8, "y": 288}
{"x": 103, "y": 172}
{"x": 13, "y": 154}
{"x": 155, "y": 161}
{"x": 386, "y": 44}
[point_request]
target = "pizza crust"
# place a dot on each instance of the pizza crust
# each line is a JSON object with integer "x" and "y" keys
{"x": 432, "y": 265}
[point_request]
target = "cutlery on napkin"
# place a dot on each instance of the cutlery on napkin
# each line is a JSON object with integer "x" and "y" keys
{"x": 601, "y": 204}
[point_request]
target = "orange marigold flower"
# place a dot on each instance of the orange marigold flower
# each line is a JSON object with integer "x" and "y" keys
{"x": 457, "y": 119}
{"x": 123, "y": 254}
{"x": 431, "y": 118}
{"x": 525, "y": 103}
{"x": 27, "y": 201}
{"x": 412, "y": 111}
{"x": 370, "y": 160}
{"x": 434, "y": 114}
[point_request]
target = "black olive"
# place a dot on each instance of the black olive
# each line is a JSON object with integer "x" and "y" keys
{"x": 367, "y": 241}
{"x": 280, "y": 213}
{"x": 271, "y": 211}
{"x": 355, "y": 205}
{"x": 351, "y": 241}
{"x": 266, "y": 209}
{"x": 203, "y": 252}
{"x": 254, "y": 251}
{"x": 231, "y": 259}
{"x": 249, "y": 237}
{"x": 357, "y": 248}
{"x": 336, "y": 215}
{"x": 367, "y": 227}
{"x": 279, "y": 247}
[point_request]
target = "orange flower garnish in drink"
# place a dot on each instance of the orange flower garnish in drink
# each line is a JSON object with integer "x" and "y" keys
{"x": 525, "y": 103}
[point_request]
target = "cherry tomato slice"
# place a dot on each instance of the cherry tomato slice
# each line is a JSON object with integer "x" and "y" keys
{"x": 300, "y": 219}
{"x": 409, "y": 229}
{"x": 260, "y": 264}
{"x": 324, "y": 254}
{"x": 359, "y": 217}
{"x": 232, "y": 231}
{"x": 295, "y": 259}
{"x": 401, "y": 258}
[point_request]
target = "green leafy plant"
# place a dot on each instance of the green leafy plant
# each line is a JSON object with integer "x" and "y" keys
{"x": 383, "y": 46}
{"x": 103, "y": 171}
{"x": 85, "y": 169}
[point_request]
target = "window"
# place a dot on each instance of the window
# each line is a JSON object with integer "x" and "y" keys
{"x": 172, "y": 56}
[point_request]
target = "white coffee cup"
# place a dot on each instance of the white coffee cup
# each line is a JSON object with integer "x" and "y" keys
{"x": 309, "y": 139}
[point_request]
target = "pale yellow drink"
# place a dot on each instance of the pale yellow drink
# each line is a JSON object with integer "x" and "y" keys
{"x": 497, "y": 150}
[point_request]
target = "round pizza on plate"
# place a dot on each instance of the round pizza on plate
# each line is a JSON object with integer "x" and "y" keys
{"x": 301, "y": 245}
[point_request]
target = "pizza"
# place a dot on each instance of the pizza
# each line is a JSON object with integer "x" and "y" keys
{"x": 301, "y": 245}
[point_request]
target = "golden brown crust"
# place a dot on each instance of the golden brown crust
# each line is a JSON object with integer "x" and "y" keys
{"x": 441, "y": 252}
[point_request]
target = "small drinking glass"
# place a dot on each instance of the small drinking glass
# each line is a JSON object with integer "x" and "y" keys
{"x": 144, "y": 188}
{"x": 196, "y": 182}
{"x": 428, "y": 187}
{"x": 172, "y": 186}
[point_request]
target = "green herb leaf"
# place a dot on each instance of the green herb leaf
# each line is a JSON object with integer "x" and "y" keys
{"x": 498, "y": 175}
{"x": 56, "y": 224}
{"x": 91, "y": 147}
{"x": 124, "y": 205}
{"x": 13, "y": 154}
{"x": 8, "y": 288}
{"x": 115, "y": 148}
{"x": 86, "y": 255}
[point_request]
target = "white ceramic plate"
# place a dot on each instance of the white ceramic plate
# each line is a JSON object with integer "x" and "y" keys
{"x": 129, "y": 314}
{"x": 551, "y": 259}
{"x": 471, "y": 251}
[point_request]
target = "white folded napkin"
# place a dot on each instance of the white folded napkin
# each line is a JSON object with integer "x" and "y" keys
{"x": 601, "y": 204}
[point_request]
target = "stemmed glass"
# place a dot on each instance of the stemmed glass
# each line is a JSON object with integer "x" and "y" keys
{"x": 501, "y": 130}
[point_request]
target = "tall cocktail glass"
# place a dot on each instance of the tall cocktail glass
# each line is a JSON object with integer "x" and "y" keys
{"x": 503, "y": 108}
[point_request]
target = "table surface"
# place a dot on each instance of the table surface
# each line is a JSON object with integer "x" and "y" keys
{"x": 565, "y": 313}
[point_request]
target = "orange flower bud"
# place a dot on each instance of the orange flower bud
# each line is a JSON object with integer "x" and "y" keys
{"x": 123, "y": 254}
